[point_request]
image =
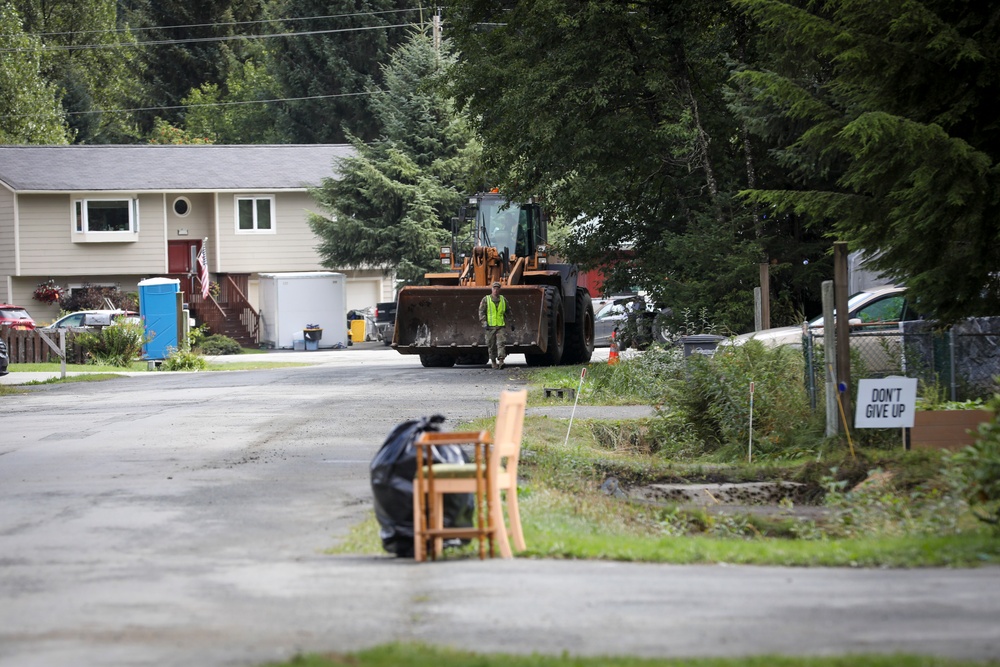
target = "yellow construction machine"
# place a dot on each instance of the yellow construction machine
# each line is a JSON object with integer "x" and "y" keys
{"x": 553, "y": 318}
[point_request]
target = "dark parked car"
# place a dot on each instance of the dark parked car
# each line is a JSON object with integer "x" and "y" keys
{"x": 385, "y": 321}
{"x": 4, "y": 359}
{"x": 636, "y": 319}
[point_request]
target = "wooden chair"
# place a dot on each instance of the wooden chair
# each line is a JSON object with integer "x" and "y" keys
{"x": 461, "y": 478}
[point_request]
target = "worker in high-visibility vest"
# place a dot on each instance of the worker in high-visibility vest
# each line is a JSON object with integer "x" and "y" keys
{"x": 494, "y": 313}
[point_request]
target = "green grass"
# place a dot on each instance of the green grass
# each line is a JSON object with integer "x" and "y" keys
{"x": 419, "y": 655}
{"x": 566, "y": 516}
{"x": 55, "y": 367}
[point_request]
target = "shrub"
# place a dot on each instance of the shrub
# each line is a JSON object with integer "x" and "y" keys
{"x": 94, "y": 297}
{"x": 217, "y": 344}
{"x": 977, "y": 470}
{"x": 714, "y": 399}
{"x": 183, "y": 360}
{"x": 117, "y": 345}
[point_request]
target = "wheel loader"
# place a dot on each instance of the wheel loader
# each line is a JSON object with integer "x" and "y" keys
{"x": 552, "y": 316}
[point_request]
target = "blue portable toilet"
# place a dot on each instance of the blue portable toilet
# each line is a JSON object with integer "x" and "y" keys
{"x": 158, "y": 308}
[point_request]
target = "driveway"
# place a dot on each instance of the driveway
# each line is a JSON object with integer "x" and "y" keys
{"x": 182, "y": 519}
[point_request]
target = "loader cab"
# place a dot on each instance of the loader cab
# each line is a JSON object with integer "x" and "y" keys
{"x": 518, "y": 228}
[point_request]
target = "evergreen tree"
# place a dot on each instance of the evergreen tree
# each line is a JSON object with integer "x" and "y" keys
{"x": 885, "y": 114}
{"x": 29, "y": 109}
{"x": 343, "y": 58}
{"x": 392, "y": 205}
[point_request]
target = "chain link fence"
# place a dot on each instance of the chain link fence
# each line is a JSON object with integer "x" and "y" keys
{"x": 955, "y": 364}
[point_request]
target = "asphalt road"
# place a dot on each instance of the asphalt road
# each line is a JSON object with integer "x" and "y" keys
{"x": 181, "y": 519}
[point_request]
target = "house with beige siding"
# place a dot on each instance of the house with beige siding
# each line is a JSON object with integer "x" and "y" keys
{"x": 116, "y": 215}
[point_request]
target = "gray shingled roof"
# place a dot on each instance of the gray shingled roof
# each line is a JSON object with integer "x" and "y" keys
{"x": 167, "y": 168}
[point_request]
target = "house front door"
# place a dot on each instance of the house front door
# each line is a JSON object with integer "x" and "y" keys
{"x": 182, "y": 263}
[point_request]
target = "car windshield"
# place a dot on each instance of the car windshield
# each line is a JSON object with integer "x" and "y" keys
{"x": 852, "y": 304}
{"x": 610, "y": 309}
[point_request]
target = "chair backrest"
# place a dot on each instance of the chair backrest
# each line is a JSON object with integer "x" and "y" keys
{"x": 509, "y": 427}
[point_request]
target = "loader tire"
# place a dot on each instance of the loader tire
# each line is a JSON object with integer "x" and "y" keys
{"x": 556, "y": 332}
{"x": 580, "y": 334}
{"x": 436, "y": 360}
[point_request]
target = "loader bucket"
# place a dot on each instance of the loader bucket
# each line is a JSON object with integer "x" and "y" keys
{"x": 445, "y": 319}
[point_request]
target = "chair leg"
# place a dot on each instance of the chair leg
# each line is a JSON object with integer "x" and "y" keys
{"x": 499, "y": 528}
{"x": 419, "y": 543}
{"x": 437, "y": 521}
{"x": 515, "y": 520}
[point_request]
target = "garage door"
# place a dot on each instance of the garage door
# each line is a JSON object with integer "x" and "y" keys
{"x": 362, "y": 293}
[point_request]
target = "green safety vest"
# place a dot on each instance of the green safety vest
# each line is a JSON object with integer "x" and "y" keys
{"x": 495, "y": 311}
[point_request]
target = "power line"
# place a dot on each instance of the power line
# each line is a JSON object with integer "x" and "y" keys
{"x": 222, "y": 104}
{"x": 194, "y": 40}
{"x": 202, "y": 104}
{"x": 209, "y": 25}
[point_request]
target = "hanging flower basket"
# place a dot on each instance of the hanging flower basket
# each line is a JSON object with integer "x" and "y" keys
{"x": 48, "y": 292}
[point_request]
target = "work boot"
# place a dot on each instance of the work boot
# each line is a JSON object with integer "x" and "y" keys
{"x": 501, "y": 364}
{"x": 493, "y": 363}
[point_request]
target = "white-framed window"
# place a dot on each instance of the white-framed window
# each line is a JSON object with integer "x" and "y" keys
{"x": 255, "y": 214}
{"x": 105, "y": 219}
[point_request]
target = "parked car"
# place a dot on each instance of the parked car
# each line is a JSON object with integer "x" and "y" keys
{"x": 873, "y": 315}
{"x": 91, "y": 318}
{"x": 15, "y": 317}
{"x": 4, "y": 358}
{"x": 385, "y": 321}
{"x": 878, "y": 308}
{"x": 647, "y": 319}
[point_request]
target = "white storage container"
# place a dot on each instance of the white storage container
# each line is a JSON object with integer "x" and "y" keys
{"x": 289, "y": 302}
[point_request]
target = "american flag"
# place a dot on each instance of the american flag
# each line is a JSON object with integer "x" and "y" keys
{"x": 203, "y": 268}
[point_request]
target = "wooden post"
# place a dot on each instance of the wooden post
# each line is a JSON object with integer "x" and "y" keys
{"x": 830, "y": 360}
{"x": 756, "y": 310}
{"x": 843, "y": 328}
{"x": 765, "y": 296}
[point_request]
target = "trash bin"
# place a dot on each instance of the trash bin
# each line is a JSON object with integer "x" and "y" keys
{"x": 358, "y": 331}
{"x": 312, "y": 336}
{"x": 701, "y": 344}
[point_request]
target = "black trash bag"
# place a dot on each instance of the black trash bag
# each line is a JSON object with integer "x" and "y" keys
{"x": 392, "y": 473}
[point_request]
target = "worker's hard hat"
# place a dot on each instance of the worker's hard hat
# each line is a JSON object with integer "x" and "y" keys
{"x": 496, "y": 284}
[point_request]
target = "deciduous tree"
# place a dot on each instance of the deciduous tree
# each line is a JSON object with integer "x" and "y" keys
{"x": 30, "y": 112}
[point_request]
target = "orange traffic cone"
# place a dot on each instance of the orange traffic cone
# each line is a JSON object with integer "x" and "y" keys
{"x": 613, "y": 350}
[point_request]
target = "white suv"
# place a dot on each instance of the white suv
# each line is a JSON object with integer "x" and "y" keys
{"x": 874, "y": 317}
{"x": 91, "y": 318}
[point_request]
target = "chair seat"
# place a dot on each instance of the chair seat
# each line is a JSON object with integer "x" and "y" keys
{"x": 455, "y": 470}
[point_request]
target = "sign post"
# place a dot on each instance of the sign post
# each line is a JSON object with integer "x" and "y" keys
{"x": 750, "y": 444}
{"x": 583, "y": 374}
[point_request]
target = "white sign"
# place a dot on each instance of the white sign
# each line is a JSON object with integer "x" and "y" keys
{"x": 885, "y": 403}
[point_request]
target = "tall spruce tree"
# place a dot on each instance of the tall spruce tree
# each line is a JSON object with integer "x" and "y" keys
{"x": 392, "y": 205}
{"x": 885, "y": 113}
